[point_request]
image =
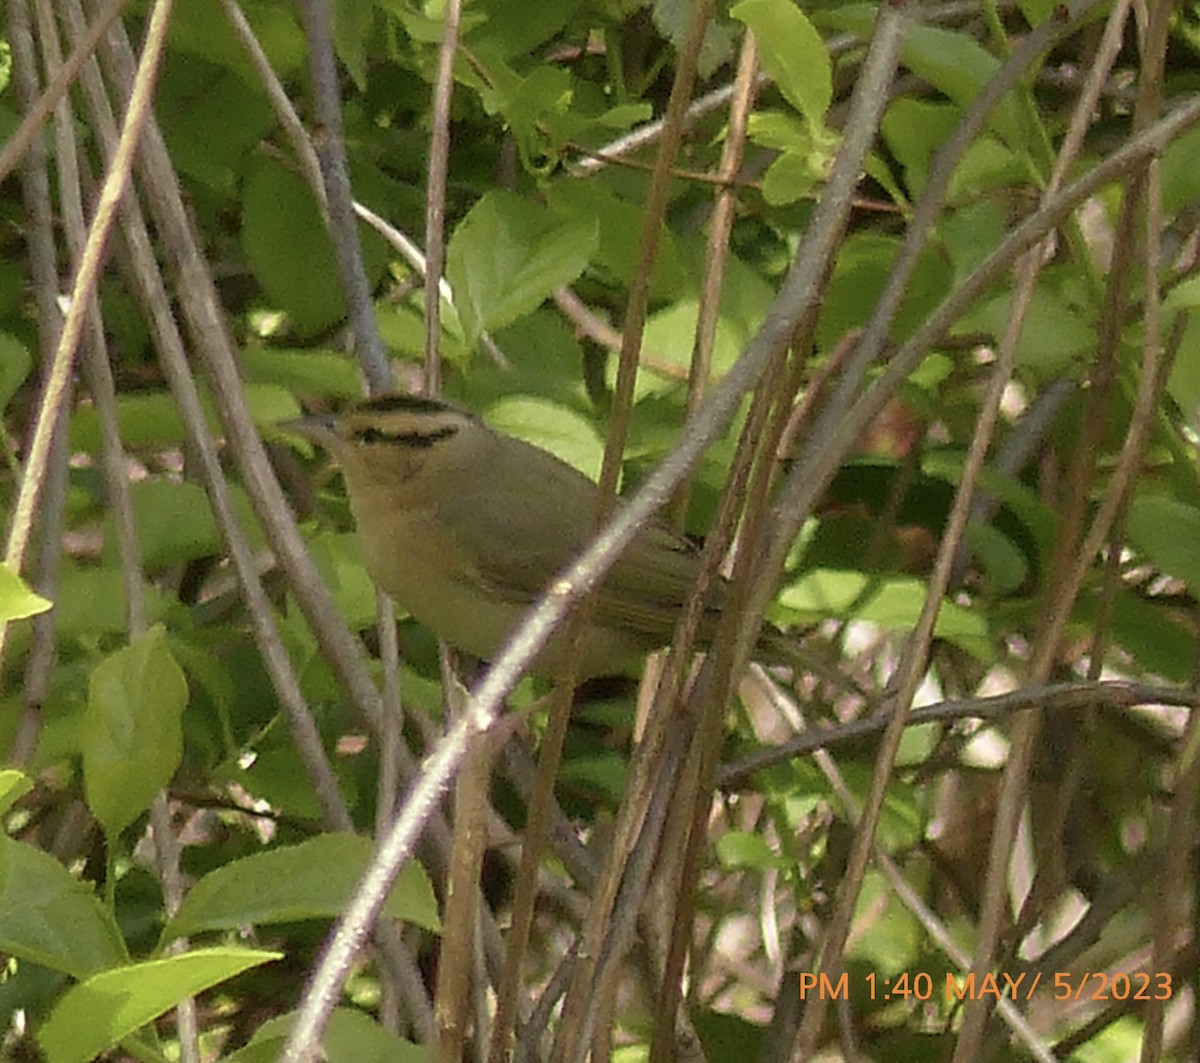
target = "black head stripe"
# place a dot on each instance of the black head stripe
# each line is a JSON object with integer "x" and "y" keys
{"x": 398, "y": 402}
{"x": 373, "y": 435}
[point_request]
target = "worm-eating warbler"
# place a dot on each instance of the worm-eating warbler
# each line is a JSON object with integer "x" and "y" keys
{"x": 464, "y": 527}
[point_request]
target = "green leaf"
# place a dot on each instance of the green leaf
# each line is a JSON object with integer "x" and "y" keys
{"x": 1180, "y": 174}
{"x": 14, "y": 785}
{"x": 898, "y": 603}
{"x": 1159, "y": 640}
{"x": 17, "y": 601}
{"x": 352, "y": 24}
{"x": 971, "y": 232}
{"x": 893, "y": 604}
{"x": 1184, "y": 383}
{"x": 304, "y": 372}
{"x": 1003, "y": 562}
{"x": 900, "y": 824}
{"x": 552, "y": 427}
{"x": 402, "y": 329}
{"x": 673, "y": 17}
{"x": 619, "y": 222}
{"x": 533, "y": 104}
{"x": 957, "y": 65}
{"x": 1036, "y": 11}
{"x": 789, "y": 178}
{"x": 14, "y": 276}
{"x": 508, "y": 255}
{"x": 200, "y": 28}
{"x": 913, "y": 131}
{"x": 97, "y": 1014}
{"x": 544, "y": 358}
{"x": 174, "y": 521}
{"x": 339, "y": 560}
{"x": 49, "y": 917}
{"x": 91, "y": 601}
{"x": 145, "y": 419}
{"x": 1166, "y": 531}
{"x": 515, "y": 27}
{"x": 1184, "y": 296}
{"x": 193, "y": 105}
{"x": 350, "y": 1037}
{"x": 288, "y": 248}
{"x": 859, "y": 276}
{"x": 670, "y": 335}
{"x": 14, "y": 367}
{"x": 987, "y": 164}
{"x": 779, "y": 130}
{"x": 421, "y": 25}
{"x": 278, "y": 777}
{"x": 1040, "y": 519}
{"x": 312, "y": 880}
{"x": 918, "y": 744}
{"x": 157, "y": 503}
{"x": 792, "y": 52}
{"x": 952, "y": 62}
{"x": 741, "y": 849}
{"x": 895, "y": 939}
{"x": 132, "y": 733}
{"x": 726, "y": 1038}
{"x": 1054, "y": 334}
{"x": 605, "y": 773}
{"x": 824, "y": 592}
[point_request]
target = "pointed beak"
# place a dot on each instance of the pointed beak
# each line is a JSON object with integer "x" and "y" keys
{"x": 317, "y": 427}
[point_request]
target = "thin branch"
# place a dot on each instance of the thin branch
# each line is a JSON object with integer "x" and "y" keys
{"x": 331, "y": 150}
{"x": 58, "y": 381}
{"x": 680, "y": 856}
{"x": 1055, "y": 697}
{"x": 37, "y": 113}
{"x": 166, "y": 846}
{"x": 774, "y": 335}
{"x": 587, "y": 993}
{"x": 937, "y": 930}
{"x": 435, "y": 191}
{"x": 1057, "y": 605}
{"x": 911, "y": 669}
{"x": 830, "y": 439}
{"x": 302, "y": 145}
{"x": 39, "y": 227}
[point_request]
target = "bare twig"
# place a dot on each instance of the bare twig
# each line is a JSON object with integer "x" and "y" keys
{"x": 435, "y": 191}
{"x": 83, "y": 289}
{"x": 331, "y": 150}
{"x": 37, "y": 113}
{"x": 1055, "y": 697}
{"x": 35, "y": 189}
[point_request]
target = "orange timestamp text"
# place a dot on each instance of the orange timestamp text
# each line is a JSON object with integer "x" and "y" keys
{"x": 955, "y": 986}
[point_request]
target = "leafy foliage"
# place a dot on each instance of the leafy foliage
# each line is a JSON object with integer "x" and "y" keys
{"x": 198, "y": 769}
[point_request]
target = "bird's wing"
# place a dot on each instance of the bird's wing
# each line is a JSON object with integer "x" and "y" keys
{"x": 516, "y": 548}
{"x": 646, "y": 588}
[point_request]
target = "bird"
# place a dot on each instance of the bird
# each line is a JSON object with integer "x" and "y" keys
{"x": 465, "y": 527}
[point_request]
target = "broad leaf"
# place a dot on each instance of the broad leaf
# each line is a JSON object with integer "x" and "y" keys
{"x": 132, "y": 735}
{"x": 312, "y": 880}
{"x": 508, "y": 255}
{"x": 17, "y": 601}
{"x": 97, "y": 1014}
{"x": 49, "y": 917}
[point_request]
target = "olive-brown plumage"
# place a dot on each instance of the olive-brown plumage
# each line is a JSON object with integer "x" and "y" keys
{"x": 464, "y": 527}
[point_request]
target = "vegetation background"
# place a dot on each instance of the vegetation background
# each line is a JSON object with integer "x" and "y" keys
{"x": 907, "y": 295}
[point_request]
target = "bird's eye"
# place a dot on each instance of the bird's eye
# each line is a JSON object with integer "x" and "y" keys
{"x": 373, "y": 435}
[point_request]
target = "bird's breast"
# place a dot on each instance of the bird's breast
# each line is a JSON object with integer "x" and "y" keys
{"x": 418, "y": 562}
